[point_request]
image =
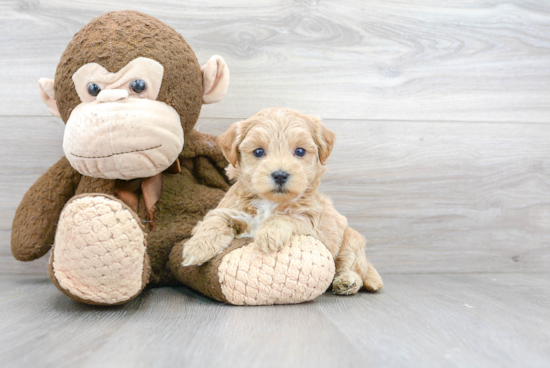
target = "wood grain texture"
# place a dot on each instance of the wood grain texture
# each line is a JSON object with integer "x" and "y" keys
{"x": 429, "y": 197}
{"x": 469, "y": 321}
{"x": 445, "y": 197}
{"x": 483, "y": 60}
{"x": 441, "y": 111}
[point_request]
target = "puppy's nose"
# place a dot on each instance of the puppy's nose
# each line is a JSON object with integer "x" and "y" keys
{"x": 280, "y": 177}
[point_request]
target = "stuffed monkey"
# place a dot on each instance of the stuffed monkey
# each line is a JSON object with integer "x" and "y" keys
{"x": 136, "y": 177}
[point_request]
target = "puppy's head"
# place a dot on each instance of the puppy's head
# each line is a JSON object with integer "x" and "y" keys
{"x": 278, "y": 153}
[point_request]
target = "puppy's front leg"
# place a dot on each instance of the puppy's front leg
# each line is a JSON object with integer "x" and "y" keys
{"x": 210, "y": 237}
{"x": 277, "y": 230}
{"x": 274, "y": 233}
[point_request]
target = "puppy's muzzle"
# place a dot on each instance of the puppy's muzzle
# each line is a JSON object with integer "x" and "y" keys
{"x": 280, "y": 178}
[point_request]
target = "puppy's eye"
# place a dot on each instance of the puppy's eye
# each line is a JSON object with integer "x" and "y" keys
{"x": 258, "y": 152}
{"x": 300, "y": 152}
{"x": 138, "y": 86}
{"x": 93, "y": 89}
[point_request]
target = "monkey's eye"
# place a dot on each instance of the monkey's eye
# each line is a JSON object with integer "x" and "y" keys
{"x": 258, "y": 152}
{"x": 300, "y": 152}
{"x": 138, "y": 86}
{"x": 93, "y": 89}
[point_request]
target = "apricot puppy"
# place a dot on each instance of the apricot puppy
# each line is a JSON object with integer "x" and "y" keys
{"x": 277, "y": 158}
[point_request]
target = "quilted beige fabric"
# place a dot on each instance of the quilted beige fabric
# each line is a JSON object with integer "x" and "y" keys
{"x": 99, "y": 250}
{"x": 298, "y": 272}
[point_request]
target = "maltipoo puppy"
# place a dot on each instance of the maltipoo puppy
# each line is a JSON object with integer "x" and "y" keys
{"x": 277, "y": 158}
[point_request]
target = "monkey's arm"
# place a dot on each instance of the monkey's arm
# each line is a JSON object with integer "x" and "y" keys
{"x": 208, "y": 160}
{"x": 35, "y": 222}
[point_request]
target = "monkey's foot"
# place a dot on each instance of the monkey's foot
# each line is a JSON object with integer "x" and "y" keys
{"x": 243, "y": 274}
{"x": 99, "y": 255}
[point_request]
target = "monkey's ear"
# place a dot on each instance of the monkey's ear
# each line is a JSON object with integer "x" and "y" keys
{"x": 47, "y": 94}
{"x": 229, "y": 143}
{"x": 215, "y": 79}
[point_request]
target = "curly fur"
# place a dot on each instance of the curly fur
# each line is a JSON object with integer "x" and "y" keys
{"x": 256, "y": 206}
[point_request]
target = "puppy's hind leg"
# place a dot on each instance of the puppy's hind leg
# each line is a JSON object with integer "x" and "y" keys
{"x": 353, "y": 269}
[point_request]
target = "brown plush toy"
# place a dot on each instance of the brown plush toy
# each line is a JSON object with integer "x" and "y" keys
{"x": 128, "y": 190}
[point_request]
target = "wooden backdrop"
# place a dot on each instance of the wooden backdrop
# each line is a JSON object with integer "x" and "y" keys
{"x": 441, "y": 110}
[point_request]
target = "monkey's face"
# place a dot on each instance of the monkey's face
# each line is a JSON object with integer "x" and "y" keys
{"x": 129, "y": 87}
{"x": 119, "y": 130}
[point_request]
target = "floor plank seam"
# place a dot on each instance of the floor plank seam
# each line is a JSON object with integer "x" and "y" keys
{"x": 428, "y": 121}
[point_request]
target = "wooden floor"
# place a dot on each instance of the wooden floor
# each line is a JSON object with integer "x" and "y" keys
{"x": 442, "y": 116}
{"x": 446, "y": 320}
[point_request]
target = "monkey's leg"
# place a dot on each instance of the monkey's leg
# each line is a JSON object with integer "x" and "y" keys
{"x": 353, "y": 269}
{"x": 99, "y": 254}
{"x": 243, "y": 274}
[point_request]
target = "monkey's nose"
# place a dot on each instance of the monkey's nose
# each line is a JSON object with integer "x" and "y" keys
{"x": 280, "y": 177}
{"x": 111, "y": 95}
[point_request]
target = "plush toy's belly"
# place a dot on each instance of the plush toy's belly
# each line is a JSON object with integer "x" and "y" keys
{"x": 182, "y": 204}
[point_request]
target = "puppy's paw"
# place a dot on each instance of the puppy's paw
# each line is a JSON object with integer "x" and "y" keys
{"x": 373, "y": 282}
{"x": 203, "y": 247}
{"x": 346, "y": 283}
{"x": 194, "y": 254}
{"x": 271, "y": 238}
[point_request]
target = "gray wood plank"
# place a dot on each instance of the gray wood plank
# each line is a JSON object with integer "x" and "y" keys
{"x": 429, "y": 197}
{"x": 162, "y": 328}
{"x": 380, "y": 60}
{"x": 445, "y": 197}
{"x": 484, "y": 320}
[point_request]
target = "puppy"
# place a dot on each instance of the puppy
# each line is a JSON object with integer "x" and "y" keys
{"x": 277, "y": 158}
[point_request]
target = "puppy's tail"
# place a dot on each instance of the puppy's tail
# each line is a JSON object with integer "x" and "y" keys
{"x": 352, "y": 257}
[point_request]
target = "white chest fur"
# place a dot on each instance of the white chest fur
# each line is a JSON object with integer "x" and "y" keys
{"x": 264, "y": 209}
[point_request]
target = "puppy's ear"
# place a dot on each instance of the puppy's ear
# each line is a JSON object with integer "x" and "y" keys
{"x": 229, "y": 143}
{"x": 323, "y": 137}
